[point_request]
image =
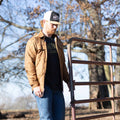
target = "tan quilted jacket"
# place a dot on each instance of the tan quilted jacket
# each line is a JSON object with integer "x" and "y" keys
{"x": 36, "y": 60}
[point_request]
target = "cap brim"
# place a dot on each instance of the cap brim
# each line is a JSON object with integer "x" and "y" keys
{"x": 54, "y": 22}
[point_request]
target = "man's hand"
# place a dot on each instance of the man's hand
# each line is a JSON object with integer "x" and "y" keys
{"x": 38, "y": 92}
{"x": 70, "y": 86}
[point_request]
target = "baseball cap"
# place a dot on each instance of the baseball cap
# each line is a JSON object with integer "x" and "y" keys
{"x": 52, "y": 16}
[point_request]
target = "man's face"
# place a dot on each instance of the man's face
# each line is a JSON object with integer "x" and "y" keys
{"x": 50, "y": 28}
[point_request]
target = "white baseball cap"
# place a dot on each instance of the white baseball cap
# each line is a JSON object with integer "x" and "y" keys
{"x": 52, "y": 16}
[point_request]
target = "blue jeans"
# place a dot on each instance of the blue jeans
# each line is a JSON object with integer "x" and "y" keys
{"x": 51, "y": 106}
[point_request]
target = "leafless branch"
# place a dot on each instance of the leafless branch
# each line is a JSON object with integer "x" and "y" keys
{"x": 3, "y": 35}
{"x": 19, "y": 26}
{"x": 80, "y": 51}
{"x": 14, "y": 42}
{"x": 102, "y": 2}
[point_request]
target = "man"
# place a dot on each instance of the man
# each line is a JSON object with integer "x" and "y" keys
{"x": 46, "y": 69}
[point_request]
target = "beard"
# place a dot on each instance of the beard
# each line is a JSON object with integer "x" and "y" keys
{"x": 52, "y": 31}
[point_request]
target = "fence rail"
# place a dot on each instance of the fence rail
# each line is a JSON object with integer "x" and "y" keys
{"x": 98, "y": 116}
{"x": 92, "y": 41}
{"x": 97, "y": 83}
{"x": 73, "y": 83}
{"x": 95, "y": 100}
{"x": 94, "y": 62}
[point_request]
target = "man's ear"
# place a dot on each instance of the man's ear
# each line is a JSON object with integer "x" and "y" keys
{"x": 42, "y": 23}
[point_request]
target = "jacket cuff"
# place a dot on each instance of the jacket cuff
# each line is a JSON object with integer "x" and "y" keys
{"x": 35, "y": 85}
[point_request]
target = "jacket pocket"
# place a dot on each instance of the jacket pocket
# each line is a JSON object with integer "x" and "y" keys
{"x": 38, "y": 56}
{"x": 40, "y": 50}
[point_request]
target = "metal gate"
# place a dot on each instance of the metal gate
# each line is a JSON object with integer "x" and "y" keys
{"x": 73, "y": 83}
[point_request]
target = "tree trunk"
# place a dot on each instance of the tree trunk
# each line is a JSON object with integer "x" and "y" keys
{"x": 103, "y": 89}
{"x": 96, "y": 53}
{"x": 96, "y": 74}
{"x": 93, "y": 77}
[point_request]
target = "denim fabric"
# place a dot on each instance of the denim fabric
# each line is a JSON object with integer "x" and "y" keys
{"x": 51, "y": 106}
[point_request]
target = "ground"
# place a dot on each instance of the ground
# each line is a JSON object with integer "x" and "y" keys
{"x": 33, "y": 114}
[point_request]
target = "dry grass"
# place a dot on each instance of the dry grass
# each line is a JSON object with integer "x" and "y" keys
{"x": 33, "y": 114}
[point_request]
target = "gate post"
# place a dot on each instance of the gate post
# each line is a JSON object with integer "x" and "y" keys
{"x": 112, "y": 85}
{"x": 71, "y": 80}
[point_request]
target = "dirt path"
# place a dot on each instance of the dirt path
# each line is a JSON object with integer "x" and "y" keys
{"x": 33, "y": 114}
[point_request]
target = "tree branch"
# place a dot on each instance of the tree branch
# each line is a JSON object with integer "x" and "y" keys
{"x": 14, "y": 42}
{"x": 1, "y": 2}
{"x": 102, "y": 2}
{"x": 19, "y": 26}
{"x": 3, "y": 35}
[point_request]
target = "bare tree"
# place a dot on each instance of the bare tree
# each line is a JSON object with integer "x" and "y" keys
{"x": 94, "y": 14}
{"x": 17, "y": 26}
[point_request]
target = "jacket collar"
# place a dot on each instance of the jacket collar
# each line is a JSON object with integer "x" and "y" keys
{"x": 41, "y": 35}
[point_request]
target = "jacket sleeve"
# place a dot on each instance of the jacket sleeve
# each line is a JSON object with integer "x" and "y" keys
{"x": 30, "y": 56}
{"x": 65, "y": 74}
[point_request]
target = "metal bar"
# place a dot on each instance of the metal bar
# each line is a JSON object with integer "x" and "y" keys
{"x": 92, "y": 41}
{"x": 95, "y": 100}
{"x": 94, "y": 62}
{"x": 98, "y": 116}
{"x": 112, "y": 86}
{"x": 71, "y": 81}
{"x": 97, "y": 83}
{"x": 73, "y": 111}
